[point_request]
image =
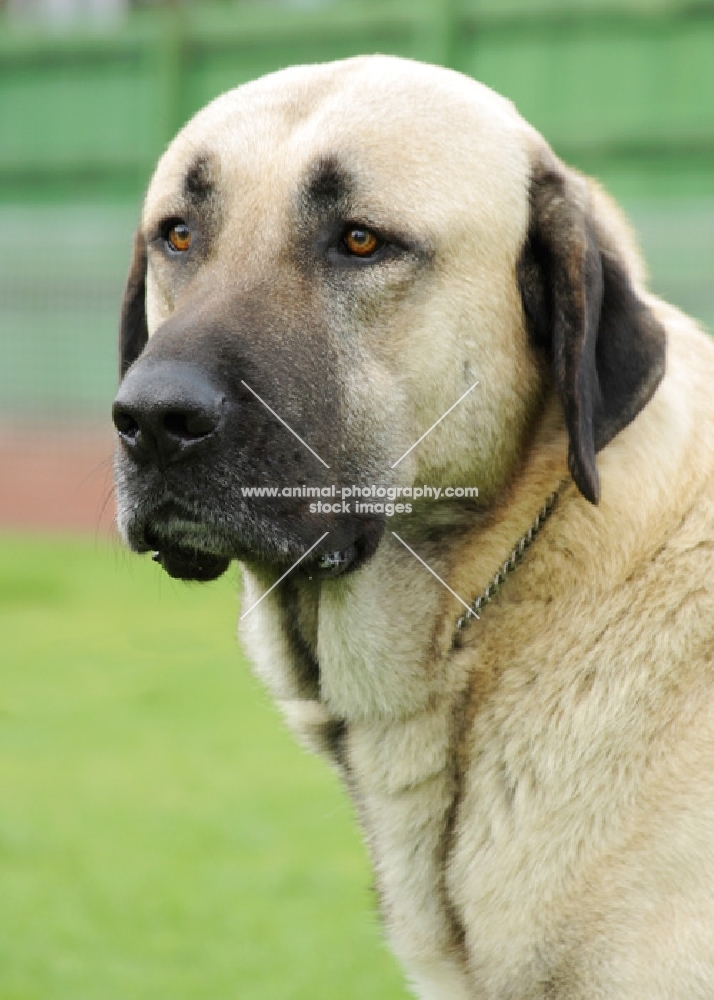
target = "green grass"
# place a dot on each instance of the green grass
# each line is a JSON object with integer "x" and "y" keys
{"x": 161, "y": 836}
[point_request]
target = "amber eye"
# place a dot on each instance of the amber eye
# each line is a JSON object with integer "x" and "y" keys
{"x": 361, "y": 242}
{"x": 178, "y": 237}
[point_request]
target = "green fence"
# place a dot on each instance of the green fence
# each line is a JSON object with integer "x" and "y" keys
{"x": 623, "y": 90}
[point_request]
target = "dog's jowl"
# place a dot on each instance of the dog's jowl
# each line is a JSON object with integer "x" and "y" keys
{"x": 381, "y": 346}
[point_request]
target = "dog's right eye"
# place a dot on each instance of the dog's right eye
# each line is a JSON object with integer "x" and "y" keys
{"x": 361, "y": 242}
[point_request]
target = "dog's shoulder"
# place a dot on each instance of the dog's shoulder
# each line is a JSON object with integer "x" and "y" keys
{"x": 588, "y": 761}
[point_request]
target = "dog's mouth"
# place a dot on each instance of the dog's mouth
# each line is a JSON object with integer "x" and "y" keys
{"x": 185, "y": 563}
{"x": 189, "y": 549}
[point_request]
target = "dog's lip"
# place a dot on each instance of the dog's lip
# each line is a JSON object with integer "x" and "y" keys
{"x": 330, "y": 563}
{"x": 188, "y": 564}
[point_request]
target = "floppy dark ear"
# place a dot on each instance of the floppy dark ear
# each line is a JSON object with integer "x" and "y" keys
{"x": 606, "y": 348}
{"x": 133, "y": 331}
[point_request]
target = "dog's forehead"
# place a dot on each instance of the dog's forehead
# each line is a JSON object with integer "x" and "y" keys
{"x": 404, "y": 132}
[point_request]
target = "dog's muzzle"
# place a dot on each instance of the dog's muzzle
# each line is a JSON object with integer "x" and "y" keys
{"x": 167, "y": 413}
{"x": 180, "y": 468}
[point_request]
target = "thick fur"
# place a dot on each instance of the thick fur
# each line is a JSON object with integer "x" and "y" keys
{"x": 538, "y": 797}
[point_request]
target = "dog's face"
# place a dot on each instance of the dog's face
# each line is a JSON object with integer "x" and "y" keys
{"x": 328, "y": 259}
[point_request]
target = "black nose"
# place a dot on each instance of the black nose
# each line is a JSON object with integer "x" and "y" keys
{"x": 167, "y": 410}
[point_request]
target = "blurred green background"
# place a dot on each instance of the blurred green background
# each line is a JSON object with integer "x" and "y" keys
{"x": 160, "y": 834}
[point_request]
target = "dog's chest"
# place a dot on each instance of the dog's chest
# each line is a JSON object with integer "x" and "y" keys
{"x": 402, "y": 779}
{"x": 465, "y": 857}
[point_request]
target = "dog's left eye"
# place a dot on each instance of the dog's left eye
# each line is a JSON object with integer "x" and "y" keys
{"x": 360, "y": 242}
{"x": 178, "y": 236}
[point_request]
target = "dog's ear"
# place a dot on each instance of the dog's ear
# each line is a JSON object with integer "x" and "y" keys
{"x": 606, "y": 348}
{"x": 133, "y": 331}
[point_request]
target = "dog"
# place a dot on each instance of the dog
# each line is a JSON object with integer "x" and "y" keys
{"x": 374, "y": 275}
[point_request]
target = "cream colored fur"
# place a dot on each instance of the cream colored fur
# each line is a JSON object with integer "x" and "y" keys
{"x": 565, "y": 752}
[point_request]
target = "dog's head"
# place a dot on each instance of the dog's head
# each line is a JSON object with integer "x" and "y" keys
{"x": 328, "y": 259}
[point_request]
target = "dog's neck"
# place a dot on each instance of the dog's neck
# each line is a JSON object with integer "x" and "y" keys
{"x": 319, "y": 649}
{"x": 309, "y": 641}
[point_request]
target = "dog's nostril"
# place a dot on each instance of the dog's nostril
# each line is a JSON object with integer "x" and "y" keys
{"x": 188, "y": 425}
{"x": 124, "y": 422}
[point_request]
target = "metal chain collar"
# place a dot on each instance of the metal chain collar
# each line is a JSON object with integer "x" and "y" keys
{"x": 522, "y": 546}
